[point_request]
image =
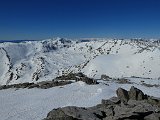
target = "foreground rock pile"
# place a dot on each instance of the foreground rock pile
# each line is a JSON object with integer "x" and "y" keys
{"x": 128, "y": 105}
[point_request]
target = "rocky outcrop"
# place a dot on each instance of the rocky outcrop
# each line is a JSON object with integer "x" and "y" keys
{"x": 123, "y": 81}
{"x": 59, "y": 81}
{"x": 136, "y": 94}
{"x": 133, "y": 94}
{"x": 42, "y": 85}
{"x": 78, "y": 77}
{"x": 128, "y": 105}
{"x": 122, "y": 94}
{"x": 105, "y": 77}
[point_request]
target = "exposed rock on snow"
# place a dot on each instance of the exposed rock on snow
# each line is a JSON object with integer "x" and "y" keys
{"x": 105, "y": 77}
{"x": 78, "y": 77}
{"x": 42, "y": 85}
{"x": 59, "y": 81}
{"x": 123, "y": 81}
{"x": 136, "y": 94}
{"x": 112, "y": 109}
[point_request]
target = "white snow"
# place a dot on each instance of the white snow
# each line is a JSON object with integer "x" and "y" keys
{"x": 50, "y": 58}
{"x": 34, "y": 104}
{"x": 141, "y": 65}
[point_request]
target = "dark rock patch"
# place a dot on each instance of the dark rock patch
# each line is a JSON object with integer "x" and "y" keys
{"x": 42, "y": 85}
{"x": 111, "y": 101}
{"x": 21, "y": 85}
{"x": 123, "y": 81}
{"x": 78, "y": 77}
{"x": 49, "y": 84}
{"x": 116, "y": 80}
{"x": 105, "y": 77}
{"x": 154, "y": 101}
{"x": 149, "y": 85}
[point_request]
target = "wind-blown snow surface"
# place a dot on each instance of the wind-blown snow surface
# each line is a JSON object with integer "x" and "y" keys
{"x": 33, "y": 61}
{"x": 34, "y": 104}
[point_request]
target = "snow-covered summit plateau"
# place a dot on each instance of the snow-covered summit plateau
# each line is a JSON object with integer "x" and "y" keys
{"x": 32, "y": 61}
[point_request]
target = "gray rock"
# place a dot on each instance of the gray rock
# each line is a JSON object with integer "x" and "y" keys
{"x": 136, "y": 108}
{"x": 105, "y": 77}
{"x": 139, "y": 111}
{"x": 42, "y": 85}
{"x": 111, "y": 101}
{"x": 122, "y": 94}
{"x": 4, "y": 87}
{"x": 87, "y": 80}
{"x": 33, "y": 86}
{"x": 123, "y": 81}
{"x": 58, "y": 114}
{"x": 22, "y": 85}
{"x": 154, "y": 116}
{"x": 154, "y": 101}
{"x": 109, "y": 111}
{"x": 77, "y": 77}
{"x": 136, "y": 94}
{"x": 74, "y": 113}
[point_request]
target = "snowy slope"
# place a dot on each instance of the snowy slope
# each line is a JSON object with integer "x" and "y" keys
{"x": 33, "y": 61}
{"x": 34, "y": 104}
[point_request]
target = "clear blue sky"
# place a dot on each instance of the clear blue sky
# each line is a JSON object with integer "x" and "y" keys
{"x": 39, "y": 19}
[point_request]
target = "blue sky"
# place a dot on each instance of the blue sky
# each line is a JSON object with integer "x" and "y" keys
{"x": 40, "y": 19}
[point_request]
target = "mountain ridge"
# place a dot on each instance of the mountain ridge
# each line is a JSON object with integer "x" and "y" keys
{"x": 43, "y": 60}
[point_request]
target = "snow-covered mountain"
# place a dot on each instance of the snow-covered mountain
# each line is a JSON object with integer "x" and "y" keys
{"x": 32, "y": 61}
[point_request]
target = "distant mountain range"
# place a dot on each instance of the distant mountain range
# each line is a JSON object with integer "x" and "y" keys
{"x": 41, "y": 60}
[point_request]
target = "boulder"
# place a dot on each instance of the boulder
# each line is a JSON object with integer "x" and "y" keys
{"x": 71, "y": 113}
{"x": 58, "y": 114}
{"x": 122, "y": 94}
{"x": 105, "y": 77}
{"x": 136, "y": 94}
